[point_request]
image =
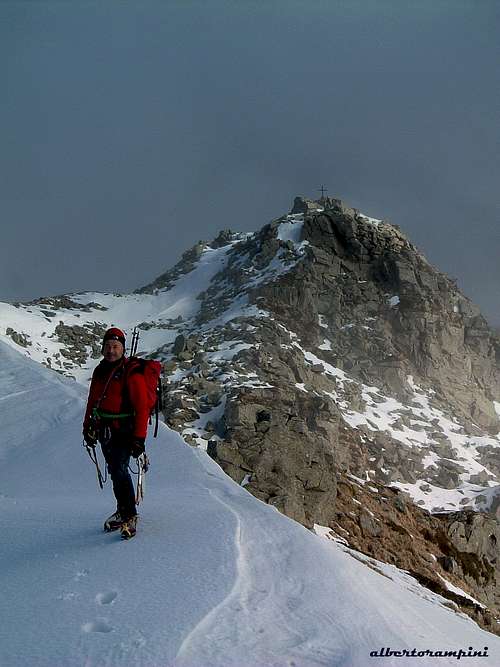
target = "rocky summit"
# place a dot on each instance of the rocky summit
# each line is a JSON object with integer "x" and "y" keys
{"x": 331, "y": 371}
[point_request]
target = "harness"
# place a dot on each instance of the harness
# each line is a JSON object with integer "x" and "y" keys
{"x": 100, "y": 414}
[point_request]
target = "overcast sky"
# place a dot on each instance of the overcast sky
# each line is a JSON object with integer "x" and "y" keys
{"x": 130, "y": 130}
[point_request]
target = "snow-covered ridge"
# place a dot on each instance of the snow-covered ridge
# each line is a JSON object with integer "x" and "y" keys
{"x": 42, "y": 330}
{"x": 162, "y": 311}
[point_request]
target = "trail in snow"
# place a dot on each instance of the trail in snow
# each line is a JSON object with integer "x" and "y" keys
{"x": 214, "y": 578}
{"x": 297, "y": 601}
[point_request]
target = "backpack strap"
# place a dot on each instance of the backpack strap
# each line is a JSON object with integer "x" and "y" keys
{"x": 133, "y": 365}
{"x": 113, "y": 371}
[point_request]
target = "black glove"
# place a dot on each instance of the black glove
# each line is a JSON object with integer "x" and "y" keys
{"x": 137, "y": 447}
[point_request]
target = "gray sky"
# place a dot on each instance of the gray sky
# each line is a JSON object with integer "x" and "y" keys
{"x": 130, "y": 130}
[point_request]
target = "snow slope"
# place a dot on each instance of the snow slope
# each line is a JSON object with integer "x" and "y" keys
{"x": 213, "y": 578}
{"x": 161, "y": 310}
{"x": 165, "y": 313}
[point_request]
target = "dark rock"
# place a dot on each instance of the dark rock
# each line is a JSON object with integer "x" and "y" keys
{"x": 21, "y": 339}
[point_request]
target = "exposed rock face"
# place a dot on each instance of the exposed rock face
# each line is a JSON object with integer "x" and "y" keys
{"x": 264, "y": 440}
{"x": 303, "y": 205}
{"x": 65, "y": 302}
{"x": 422, "y": 325}
{"x": 76, "y": 339}
{"x": 388, "y": 314}
{"x": 439, "y": 551}
{"x": 476, "y": 538}
{"x": 19, "y": 338}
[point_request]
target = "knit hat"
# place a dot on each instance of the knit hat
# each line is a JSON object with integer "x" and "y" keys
{"x": 114, "y": 334}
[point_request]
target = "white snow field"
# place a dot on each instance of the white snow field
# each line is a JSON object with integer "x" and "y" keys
{"x": 214, "y": 577}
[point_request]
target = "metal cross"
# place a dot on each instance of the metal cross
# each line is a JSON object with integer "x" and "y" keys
{"x": 323, "y": 190}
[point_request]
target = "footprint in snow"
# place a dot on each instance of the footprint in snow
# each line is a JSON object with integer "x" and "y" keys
{"x": 101, "y": 625}
{"x": 82, "y": 573}
{"x": 106, "y": 598}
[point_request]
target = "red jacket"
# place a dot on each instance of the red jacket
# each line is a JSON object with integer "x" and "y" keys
{"x": 124, "y": 394}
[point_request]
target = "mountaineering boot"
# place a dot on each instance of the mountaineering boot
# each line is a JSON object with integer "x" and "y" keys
{"x": 128, "y": 528}
{"x": 113, "y": 522}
